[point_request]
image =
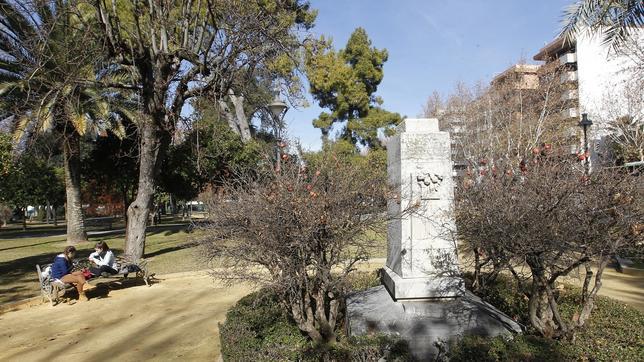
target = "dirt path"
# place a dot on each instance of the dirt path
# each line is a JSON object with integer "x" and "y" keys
{"x": 174, "y": 319}
{"x": 623, "y": 287}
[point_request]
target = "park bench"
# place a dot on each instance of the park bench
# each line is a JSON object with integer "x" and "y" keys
{"x": 52, "y": 290}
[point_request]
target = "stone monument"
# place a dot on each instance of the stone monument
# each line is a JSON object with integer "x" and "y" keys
{"x": 421, "y": 257}
{"x": 423, "y": 299}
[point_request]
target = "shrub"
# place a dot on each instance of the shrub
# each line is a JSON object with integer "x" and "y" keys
{"x": 359, "y": 281}
{"x": 613, "y": 332}
{"x": 521, "y": 348}
{"x": 257, "y": 329}
{"x": 544, "y": 222}
{"x": 300, "y": 231}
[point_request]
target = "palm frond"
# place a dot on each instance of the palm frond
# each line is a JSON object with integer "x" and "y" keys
{"x": 45, "y": 114}
{"x": 20, "y": 128}
{"x": 616, "y": 20}
{"x": 16, "y": 21}
{"x": 6, "y": 87}
{"x": 118, "y": 128}
{"x": 76, "y": 117}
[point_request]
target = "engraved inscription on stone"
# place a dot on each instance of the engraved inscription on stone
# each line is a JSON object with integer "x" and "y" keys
{"x": 419, "y": 147}
{"x": 429, "y": 184}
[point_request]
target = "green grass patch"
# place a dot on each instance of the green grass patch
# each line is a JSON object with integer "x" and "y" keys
{"x": 167, "y": 249}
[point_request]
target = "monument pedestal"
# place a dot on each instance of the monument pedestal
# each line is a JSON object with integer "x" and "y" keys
{"x": 423, "y": 299}
{"x": 422, "y": 287}
{"x": 425, "y": 323}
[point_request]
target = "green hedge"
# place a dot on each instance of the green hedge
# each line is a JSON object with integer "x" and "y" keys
{"x": 257, "y": 329}
{"x": 614, "y": 332}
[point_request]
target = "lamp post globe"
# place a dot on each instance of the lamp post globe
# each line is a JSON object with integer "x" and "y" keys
{"x": 277, "y": 109}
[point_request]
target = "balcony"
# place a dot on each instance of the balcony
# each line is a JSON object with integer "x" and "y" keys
{"x": 568, "y": 58}
{"x": 568, "y": 77}
{"x": 569, "y": 95}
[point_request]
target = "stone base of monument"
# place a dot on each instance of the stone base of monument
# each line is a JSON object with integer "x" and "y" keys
{"x": 424, "y": 323}
{"x": 422, "y": 288}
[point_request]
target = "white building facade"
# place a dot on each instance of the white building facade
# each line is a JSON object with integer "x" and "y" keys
{"x": 603, "y": 83}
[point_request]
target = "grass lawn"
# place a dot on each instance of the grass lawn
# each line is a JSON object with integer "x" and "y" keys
{"x": 20, "y": 251}
{"x": 167, "y": 249}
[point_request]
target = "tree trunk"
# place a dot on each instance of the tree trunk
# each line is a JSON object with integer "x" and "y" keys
{"x": 240, "y": 116}
{"x": 589, "y": 302}
{"x": 54, "y": 216}
{"x": 230, "y": 118}
{"x": 48, "y": 212}
{"x": 74, "y": 212}
{"x": 126, "y": 202}
{"x": 173, "y": 206}
{"x": 152, "y": 142}
{"x": 24, "y": 218}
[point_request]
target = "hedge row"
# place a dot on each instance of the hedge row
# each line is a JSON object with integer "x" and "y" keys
{"x": 256, "y": 329}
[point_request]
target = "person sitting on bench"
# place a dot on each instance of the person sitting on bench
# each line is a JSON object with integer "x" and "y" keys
{"x": 104, "y": 260}
{"x": 61, "y": 270}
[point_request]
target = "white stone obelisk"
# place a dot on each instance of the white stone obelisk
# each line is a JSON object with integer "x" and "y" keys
{"x": 421, "y": 258}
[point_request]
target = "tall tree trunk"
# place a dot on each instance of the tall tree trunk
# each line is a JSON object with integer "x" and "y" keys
{"x": 24, "y": 218}
{"x": 48, "y": 212}
{"x": 240, "y": 115}
{"x": 153, "y": 141}
{"x": 230, "y": 117}
{"x": 236, "y": 117}
{"x": 74, "y": 207}
{"x": 126, "y": 202}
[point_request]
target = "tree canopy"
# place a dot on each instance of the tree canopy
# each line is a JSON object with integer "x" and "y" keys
{"x": 345, "y": 82}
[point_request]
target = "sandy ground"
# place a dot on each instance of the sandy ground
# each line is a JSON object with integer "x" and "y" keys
{"x": 174, "y": 319}
{"x": 623, "y": 287}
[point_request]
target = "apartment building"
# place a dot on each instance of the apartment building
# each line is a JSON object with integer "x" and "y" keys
{"x": 596, "y": 80}
{"x": 518, "y": 77}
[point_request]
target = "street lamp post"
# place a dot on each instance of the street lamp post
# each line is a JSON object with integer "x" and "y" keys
{"x": 585, "y": 124}
{"x": 277, "y": 110}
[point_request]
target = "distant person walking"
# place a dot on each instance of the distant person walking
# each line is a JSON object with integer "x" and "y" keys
{"x": 104, "y": 260}
{"x": 62, "y": 268}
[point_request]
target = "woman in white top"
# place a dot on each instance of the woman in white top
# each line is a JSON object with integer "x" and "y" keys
{"x": 103, "y": 259}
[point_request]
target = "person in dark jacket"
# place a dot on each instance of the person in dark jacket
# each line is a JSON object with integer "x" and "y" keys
{"x": 61, "y": 270}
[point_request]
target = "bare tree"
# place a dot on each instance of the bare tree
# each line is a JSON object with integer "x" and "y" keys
{"x": 177, "y": 50}
{"x": 520, "y": 112}
{"x": 300, "y": 232}
{"x": 622, "y": 112}
{"x": 546, "y": 221}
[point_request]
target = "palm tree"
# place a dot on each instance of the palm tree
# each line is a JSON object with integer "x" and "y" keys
{"x": 618, "y": 20}
{"x": 49, "y": 83}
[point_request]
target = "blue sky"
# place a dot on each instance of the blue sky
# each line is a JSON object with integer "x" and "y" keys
{"x": 432, "y": 45}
